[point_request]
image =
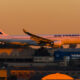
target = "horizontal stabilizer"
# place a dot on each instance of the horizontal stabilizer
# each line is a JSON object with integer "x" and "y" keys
{"x": 2, "y": 33}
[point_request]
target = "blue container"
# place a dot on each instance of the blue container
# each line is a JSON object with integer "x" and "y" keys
{"x": 71, "y": 53}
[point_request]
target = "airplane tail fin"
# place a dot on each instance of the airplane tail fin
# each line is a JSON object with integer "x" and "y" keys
{"x": 2, "y": 33}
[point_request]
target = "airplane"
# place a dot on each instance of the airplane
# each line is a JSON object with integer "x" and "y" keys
{"x": 15, "y": 39}
{"x": 53, "y": 41}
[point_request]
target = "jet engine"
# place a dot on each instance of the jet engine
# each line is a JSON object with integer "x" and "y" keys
{"x": 57, "y": 43}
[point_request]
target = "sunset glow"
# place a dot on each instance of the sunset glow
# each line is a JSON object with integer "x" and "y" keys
{"x": 40, "y": 16}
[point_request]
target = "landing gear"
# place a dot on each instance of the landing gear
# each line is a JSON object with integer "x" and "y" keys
{"x": 61, "y": 47}
{"x": 42, "y": 52}
{"x": 72, "y": 46}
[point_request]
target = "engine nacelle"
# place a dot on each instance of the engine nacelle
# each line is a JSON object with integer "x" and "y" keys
{"x": 57, "y": 43}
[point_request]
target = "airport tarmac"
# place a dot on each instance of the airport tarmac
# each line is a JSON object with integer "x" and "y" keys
{"x": 17, "y": 59}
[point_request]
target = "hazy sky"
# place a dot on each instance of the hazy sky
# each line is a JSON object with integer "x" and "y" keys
{"x": 40, "y": 16}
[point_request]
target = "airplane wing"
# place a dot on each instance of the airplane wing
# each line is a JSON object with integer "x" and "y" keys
{"x": 38, "y": 39}
{"x": 35, "y": 40}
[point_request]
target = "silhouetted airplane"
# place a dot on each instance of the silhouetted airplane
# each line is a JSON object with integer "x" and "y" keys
{"x": 54, "y": 41}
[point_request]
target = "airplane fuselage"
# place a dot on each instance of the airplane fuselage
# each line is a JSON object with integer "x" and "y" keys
{"x": 58, "y": 39}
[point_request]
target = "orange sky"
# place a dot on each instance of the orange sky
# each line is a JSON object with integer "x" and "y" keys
{"x": 40, "y": 16}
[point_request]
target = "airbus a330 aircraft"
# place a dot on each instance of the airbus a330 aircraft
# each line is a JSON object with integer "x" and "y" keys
{"x": 54, "y": 41}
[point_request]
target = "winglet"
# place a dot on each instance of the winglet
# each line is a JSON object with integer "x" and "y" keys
{"x": 26, "y": 32}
